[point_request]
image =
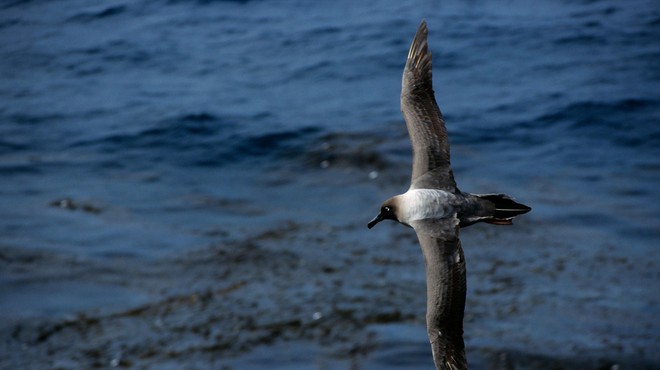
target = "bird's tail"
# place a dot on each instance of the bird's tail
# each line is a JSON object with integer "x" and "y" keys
{"x": 505, "y": 209}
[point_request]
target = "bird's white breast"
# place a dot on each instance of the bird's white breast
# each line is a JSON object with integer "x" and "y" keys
{"x": 420, "y": 204}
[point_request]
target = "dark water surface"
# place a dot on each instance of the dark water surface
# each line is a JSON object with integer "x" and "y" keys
{"x": 186, "y": 184}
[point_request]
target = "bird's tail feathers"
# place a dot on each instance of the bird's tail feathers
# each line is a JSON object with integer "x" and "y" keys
{"x": 505, "y": 209}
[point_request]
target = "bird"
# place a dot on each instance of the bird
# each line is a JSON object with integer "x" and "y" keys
{"x": 436, "y": 209}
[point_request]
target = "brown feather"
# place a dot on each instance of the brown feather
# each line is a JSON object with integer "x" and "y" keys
{"x": 426, "y": 127}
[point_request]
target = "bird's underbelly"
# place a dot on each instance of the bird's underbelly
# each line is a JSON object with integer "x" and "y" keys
{"x": 421, "y": 204}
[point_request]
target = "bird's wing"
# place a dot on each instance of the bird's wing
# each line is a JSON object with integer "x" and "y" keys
{"x": 445, "y": 290}
{"x": 426, "y": 127}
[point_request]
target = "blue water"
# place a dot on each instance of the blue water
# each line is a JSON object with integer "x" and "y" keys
{"x": 145, "y": 129}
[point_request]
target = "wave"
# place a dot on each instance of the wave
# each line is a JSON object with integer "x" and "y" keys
{"x": 90, "y": 16}
{"x": 203, "y": 139}
{"x": 623, "y": 122}
{"x": 628, "y": 122}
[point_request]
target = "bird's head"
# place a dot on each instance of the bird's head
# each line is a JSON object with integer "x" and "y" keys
{"x": 387, "y": 212}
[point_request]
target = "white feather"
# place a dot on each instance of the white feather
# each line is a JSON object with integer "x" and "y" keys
{"x": 421, "y": 204}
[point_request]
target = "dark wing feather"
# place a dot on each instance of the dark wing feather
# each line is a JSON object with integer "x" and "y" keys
{"x": 426, "y": 127}
{"x": 445, "y": 290}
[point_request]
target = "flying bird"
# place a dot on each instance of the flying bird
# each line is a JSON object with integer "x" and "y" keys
{"x": 436, "y": 209}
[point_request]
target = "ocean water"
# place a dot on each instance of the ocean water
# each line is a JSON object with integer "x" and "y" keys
{"x": 187, "y": 183}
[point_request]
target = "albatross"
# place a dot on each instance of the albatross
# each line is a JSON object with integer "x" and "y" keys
{"x": 436, "y": 209}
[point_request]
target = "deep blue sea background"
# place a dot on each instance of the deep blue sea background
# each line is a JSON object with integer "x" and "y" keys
{"x": 143, "y": 143}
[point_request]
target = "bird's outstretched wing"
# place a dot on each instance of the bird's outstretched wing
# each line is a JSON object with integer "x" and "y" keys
{"x": 445, "y": 290}
{"x": 426, "y": 127}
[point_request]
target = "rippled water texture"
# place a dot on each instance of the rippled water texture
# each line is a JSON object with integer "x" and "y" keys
{"x": 186, "y": 184}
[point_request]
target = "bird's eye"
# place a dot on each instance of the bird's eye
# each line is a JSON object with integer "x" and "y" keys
{"x": 387, "y": 209}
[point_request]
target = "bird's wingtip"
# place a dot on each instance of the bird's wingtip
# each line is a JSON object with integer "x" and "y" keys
{"x": 419, "y": 58}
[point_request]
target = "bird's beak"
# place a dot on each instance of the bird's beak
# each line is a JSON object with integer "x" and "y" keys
{"x": 376, "y": 220}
